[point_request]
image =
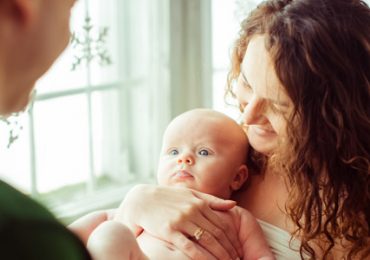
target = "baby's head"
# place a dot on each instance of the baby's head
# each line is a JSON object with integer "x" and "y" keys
{"x": 204, "y": 150}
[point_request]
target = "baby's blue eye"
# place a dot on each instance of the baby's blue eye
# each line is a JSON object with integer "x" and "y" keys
{"x": 203, "y": 152}
{"x": 174, "y": 152}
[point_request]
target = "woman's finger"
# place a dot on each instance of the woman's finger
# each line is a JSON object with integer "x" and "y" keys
{"x": 207, "y": 241}
{"x": 224, "y": 232}
{"x": 214, "y": 202}
{"x": 187, "y": 246}
{"x": 219, "y": 234}
{"x": 210, "y": 214}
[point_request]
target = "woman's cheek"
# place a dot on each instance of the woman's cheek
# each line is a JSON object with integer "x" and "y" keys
{"x": 238, "y": 93}
{"x": 278, "y": 123}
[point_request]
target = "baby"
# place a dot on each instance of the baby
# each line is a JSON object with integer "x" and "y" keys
{"x": 202, "y": 150}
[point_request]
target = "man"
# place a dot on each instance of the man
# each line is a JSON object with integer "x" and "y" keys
{"x": 33, "y": 33}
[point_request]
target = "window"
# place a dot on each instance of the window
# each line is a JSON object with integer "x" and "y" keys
{"x": 226, "y": 18}
{"x": 96, "y": 123}
{"x": 88, "y": 134}
{"x": 96, "y": 129}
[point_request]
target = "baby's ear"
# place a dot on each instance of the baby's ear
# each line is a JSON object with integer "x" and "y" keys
{"x": 239, "y": 178}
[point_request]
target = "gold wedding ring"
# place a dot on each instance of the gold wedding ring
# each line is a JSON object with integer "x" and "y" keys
{"x": 198, "y": 233}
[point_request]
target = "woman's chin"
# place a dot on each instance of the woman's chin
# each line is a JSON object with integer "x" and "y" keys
{"x": 262, "y": 141}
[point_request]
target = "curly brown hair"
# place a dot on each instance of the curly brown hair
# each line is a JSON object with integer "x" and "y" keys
{"x": 321, "y": 55}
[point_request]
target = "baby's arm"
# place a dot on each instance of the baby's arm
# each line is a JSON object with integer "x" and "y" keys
{"x": 83, "y": 226}
{"x": 252, "y": 238}
{"x": 114, "y": 241}
{"x": 105, "y": 238}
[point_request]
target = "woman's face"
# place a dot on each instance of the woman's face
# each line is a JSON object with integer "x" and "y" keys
{"x": 261, "y": 96}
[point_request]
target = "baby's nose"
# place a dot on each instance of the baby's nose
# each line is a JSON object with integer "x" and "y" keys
{"x": 185, "y": 159}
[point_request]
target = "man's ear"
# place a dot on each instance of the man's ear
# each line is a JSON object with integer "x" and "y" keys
{"x": 239, "y": 178}
{"x": 22, "y": 12}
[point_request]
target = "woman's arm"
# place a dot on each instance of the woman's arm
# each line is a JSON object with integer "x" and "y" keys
{"x": 174, "y": 214}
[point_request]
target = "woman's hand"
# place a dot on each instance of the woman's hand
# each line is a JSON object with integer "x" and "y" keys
{"x": 175, "y": 214}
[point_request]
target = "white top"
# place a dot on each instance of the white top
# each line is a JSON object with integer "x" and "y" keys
{"x": 281, "y": 242}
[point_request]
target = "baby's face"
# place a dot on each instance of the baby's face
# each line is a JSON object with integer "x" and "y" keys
{"x": 200, "y": 152}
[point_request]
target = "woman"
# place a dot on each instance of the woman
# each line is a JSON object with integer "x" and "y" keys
{"x": 303, "y": 83}
{"x": 33, "y": 33}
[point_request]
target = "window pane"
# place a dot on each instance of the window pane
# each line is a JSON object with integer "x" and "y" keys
{"x": 75, "y": 149}
{"x": 61, "y": 140}
{"x": 137, "y": 26}
{"x": 226, "y": 18}
{"x": 110, "y": 154}
{"x": 104, "y": 40}
{"x": 15, "y": 160}
{"x": 140, "y": 126}
{"x": 224, "y": 31}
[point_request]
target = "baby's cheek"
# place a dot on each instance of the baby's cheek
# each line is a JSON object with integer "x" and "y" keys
{"x": 163, "y": 174}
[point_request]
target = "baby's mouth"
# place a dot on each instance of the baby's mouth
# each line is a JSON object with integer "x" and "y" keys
{"x": 182, "y": 174}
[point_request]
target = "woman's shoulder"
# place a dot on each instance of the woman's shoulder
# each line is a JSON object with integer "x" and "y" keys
{"x": 282, "y": 244}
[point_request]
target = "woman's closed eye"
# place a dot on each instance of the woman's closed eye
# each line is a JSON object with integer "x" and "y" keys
{"x": 245, "y": 83}
{"x": 279, "y": 108}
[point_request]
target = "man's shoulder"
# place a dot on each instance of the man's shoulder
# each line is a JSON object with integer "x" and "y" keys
{"x": 16, "y": 205}
{"x": 29, "y": 231}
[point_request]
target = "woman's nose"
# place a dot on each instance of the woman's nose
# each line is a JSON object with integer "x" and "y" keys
{"x": 186, "y": 159}
{"x": 253, "y": 112}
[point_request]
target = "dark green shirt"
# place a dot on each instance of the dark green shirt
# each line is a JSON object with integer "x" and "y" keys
{"x": 29, "y": 231}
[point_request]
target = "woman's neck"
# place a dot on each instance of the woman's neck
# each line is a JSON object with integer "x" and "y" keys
{"x": 265, "y": 197}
